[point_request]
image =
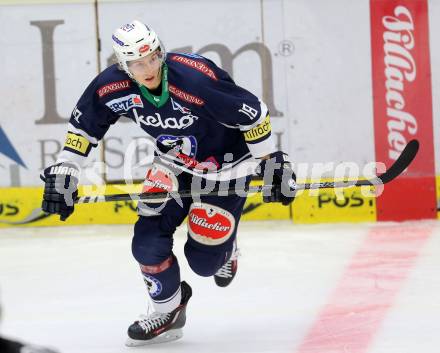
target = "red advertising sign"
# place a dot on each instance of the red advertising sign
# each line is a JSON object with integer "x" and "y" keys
{"x": 403, "y": 105}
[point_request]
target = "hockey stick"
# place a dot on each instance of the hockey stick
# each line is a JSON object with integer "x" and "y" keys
{"x": 404, "y": 160}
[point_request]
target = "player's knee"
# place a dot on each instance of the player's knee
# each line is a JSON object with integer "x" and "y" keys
{"x": 149, "y": 252}
{"x": 204, "y": 263}
{"x": 211, "y": 231}
{"x": 149, "y": 246}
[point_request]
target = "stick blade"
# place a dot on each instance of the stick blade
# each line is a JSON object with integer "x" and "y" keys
{"x": 405, "y": 159}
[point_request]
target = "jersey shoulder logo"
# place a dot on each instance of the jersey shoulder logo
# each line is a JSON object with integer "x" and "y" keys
{"x": 187, "y": 97}
{"x": 113, "y": 87}
{"x": 191, "y": 55}
{"x": 125, "y": 103}
{"x": 195, "y": 64}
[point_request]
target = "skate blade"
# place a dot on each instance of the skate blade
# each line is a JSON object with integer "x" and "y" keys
{"x": 168, "y": 336}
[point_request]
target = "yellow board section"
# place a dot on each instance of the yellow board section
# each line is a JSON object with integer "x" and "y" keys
{"x": 19, "y": 207}
{"x": 255, "y": 209}
{"x": 330, "y": 206}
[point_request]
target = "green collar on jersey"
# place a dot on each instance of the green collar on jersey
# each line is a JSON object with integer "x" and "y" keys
{"x": 158, "y": 101}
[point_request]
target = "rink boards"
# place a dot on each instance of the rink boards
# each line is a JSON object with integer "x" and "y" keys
{"x": 18, "y": 205}
{"x": 320, "y": 72}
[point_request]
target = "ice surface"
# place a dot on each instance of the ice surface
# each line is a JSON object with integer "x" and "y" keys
{"x": 78, "y": 289}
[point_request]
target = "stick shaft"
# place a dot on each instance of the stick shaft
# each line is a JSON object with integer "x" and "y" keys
{"x": 399, "y": 166}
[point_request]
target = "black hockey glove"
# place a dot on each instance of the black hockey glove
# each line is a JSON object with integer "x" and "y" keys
{"x": 276, "y": 171}
{"x": 60, "y": 189}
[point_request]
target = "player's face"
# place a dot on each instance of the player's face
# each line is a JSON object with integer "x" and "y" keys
{"x": 147, "y": 70}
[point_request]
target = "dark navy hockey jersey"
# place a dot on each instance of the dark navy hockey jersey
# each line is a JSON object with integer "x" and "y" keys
{"x": 203, "y": 122}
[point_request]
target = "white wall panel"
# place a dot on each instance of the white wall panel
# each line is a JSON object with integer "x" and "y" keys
{"x": 329, "y": 80}
{"x": 280, "y": 72}
{"x": 23, "y": 86}
{"x": 319, "y": 88}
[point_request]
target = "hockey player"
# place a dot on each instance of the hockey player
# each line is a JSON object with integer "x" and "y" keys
{"x": 205, "y": 127}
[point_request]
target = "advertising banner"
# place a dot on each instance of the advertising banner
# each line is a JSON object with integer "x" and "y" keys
{"x": 339, "y": 88}
{"x": 403, "y": 105}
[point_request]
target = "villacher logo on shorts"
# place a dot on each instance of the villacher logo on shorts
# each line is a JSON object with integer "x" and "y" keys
{"x": 160, "y": 179}
{"x": 209, "y": 224}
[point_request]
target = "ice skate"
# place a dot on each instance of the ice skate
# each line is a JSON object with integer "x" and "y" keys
{"x": 160, "y": 327}
{"x": 226, "y": 273}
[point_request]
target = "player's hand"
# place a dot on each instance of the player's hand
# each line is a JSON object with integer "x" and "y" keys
{"x": 60, "y": 189}
{"x": 276, "y": 171}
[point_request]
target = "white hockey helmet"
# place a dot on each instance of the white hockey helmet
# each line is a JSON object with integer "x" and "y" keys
{"x": 133, "y": 41}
